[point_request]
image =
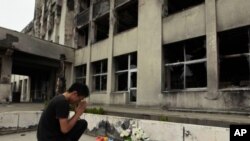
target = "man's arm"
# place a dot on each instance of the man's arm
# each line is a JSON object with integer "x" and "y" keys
{"x": 67, "y": 124}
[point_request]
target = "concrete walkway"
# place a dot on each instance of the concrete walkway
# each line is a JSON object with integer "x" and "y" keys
{"x": 209, "y": 118}
{"x": 31, "y": 136}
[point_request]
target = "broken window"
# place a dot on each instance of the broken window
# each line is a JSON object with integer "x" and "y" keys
{"x": 70, "y": 5}
{"x": 58, "y": 7}
{"x": 82, "y": 19}
{"x": 234, "y": 52}
{"x": 100, "y": 75}
{"x": 126, "y": 72}
{"x": 83, "y": 35}
{"x": 101, "y": 28}
{"x": 174, "y": 6}
{"x": 126, "y": 15}
{"x": 100, "y": 8}
{"x": 80, "y": 74}
{"x": 185, "y": 64}
{"x": 84, "y": 5}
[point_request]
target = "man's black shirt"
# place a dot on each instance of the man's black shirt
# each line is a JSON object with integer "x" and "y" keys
{"x": 49, "y": 126}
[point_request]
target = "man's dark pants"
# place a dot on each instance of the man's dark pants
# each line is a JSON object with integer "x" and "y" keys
{"x": 76, "y": 132}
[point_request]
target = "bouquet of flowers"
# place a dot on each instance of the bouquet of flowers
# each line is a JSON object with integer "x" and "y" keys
{"x": 134, "y": 134}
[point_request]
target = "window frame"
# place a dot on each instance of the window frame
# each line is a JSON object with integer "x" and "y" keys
{"x": 185, "y": 62}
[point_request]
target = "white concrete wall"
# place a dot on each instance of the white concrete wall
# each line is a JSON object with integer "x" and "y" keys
{"x": 20, "y": 120}
{"x": 164, "y": 131}
{"x": 5, "y": 90}
{"x": 99, "y": 50}
{"x": 184, "y": 25}
{"x": 156, "y": 130}
{"x": 81, "y": 56}
{"x": 232, "y": 14}
{"x": 25, "y": 97}
{"x": 99, "y": 98}
{"x": 125, "y": 42}
{"x": 119, "y": 98}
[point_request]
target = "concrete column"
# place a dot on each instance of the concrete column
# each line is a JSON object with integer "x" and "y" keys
{"x": 212, "y": 50}
{"x": 110, "y": 76}
{"x": 6, "y": 70}
{"x": 149, "y": 74}
{"x": 69, "y": 26}
{"x": 88, "y": 49}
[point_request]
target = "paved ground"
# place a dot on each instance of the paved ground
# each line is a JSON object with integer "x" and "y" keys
{"x": 208, "y": 118}
{"x": 21, "y": 107}
{"x": 31, "y": 136}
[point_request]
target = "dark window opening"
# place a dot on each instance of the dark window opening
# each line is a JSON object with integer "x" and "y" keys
{"x": 133, "y": 95}
{"x": 70, "y": 5}
{"x": 185, "y": 64}
{"x": 84, "y": 5}
{"x": 100, "y": 75}
{"x": 127, "y": 16}
{"x": 196, "y": 75}
{"x": 234, "y": 52}
{"x": 235, "y": 72}
{"x": 126, "y": 73}
{"x": 83, "y": 35}
{"x": 82, "y": 19}
{"x": 133, "y": 61}
{"x": 174, "y": 6}
{"x": 176, "y": 77}
{"x": 80, "y": 74}
{"x": 122, "y": 62}
{"x": 102, "y": 28}
{"x": 133, "y": 83}
{"x": 174, "y": 53}
{"x": 122, "y": 81}
{"x": 100, "y": 8}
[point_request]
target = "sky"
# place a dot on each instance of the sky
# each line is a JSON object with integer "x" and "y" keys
{"x": 16, "y": 14}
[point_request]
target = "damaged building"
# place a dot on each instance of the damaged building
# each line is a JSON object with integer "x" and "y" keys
{"x": 177, "y": 54}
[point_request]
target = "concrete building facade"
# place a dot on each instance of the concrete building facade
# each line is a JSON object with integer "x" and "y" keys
{"x": 170, "y": 53}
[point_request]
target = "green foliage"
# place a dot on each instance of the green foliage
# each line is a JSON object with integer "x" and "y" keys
{"x": 46, "y": 102}
{"x": 163, "y": 118}
{"x": 98, "y": 111}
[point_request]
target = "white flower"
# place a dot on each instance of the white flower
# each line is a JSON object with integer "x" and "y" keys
{"x": 136, "y": 133}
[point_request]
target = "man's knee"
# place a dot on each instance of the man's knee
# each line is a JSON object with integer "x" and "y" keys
{"x": 82, "y": 123}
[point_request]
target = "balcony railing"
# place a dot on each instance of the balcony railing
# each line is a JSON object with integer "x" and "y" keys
{"x": 82, "y": 18}
{"x": 100, "y": 8}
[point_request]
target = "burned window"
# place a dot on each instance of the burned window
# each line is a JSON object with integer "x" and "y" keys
{"x": 101, "y": 28}
{"x": 234, "y": 52}
{"x": 126, "y": 15}
{"x": 70, "y": 5}
{"x": 100, "y": 8}
{"x": 83, "y": 36}
{"x": 126, "y": 72}
{"x": 100, "y": 75}
{"x": 82, "y": 19}
{"x": 84, "y": 5}
{"x": 185, "y": 64}
{"x": 80, "y": 74}
{"x": 174, "y": 6}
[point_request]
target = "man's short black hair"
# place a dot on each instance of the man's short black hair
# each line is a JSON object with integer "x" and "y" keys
{"x": 82, "y": 89}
